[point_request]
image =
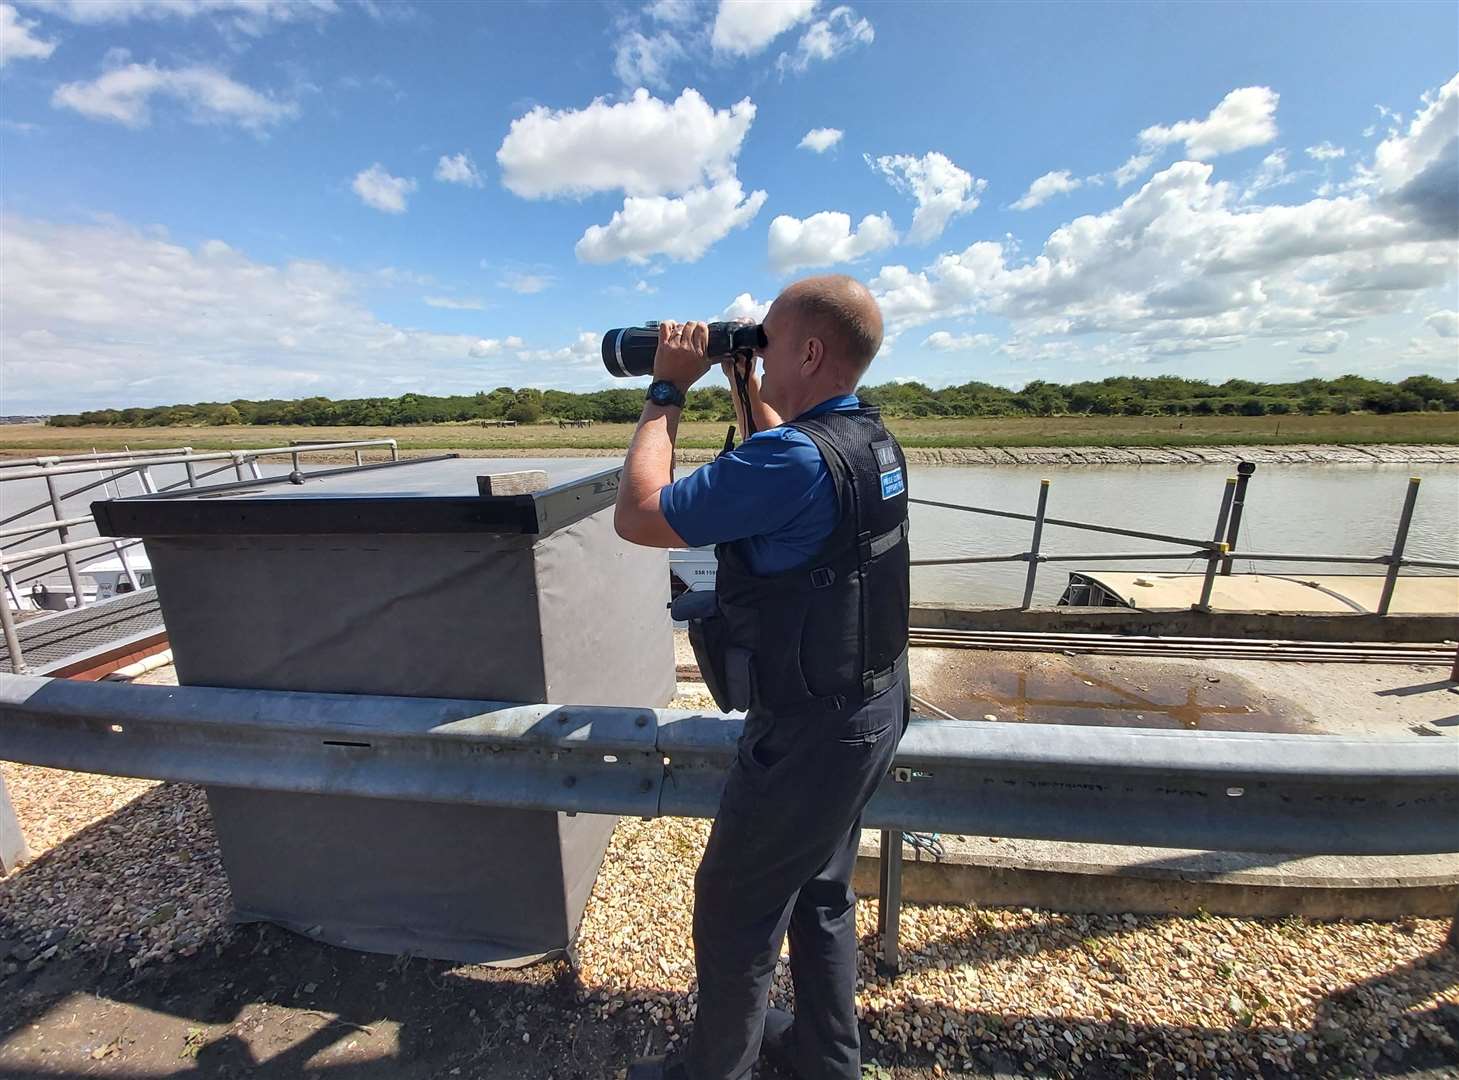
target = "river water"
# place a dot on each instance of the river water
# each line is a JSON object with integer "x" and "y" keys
{"x": 1320, "y": 509}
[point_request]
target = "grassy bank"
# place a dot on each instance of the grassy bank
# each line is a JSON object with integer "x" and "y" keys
{"x": 1359, "y": 429}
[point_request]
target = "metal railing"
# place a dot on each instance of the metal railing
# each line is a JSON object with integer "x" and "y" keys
{"x": 1218, "y": 552}
{"x": 1210, "y": 790}
{"x": 20, "y": 565}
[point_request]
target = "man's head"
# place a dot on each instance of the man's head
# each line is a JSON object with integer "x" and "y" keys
{"x": 820, "y": 337}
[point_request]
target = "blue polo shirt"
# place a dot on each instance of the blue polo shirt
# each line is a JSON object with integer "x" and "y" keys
{"x": 772, "y": 495}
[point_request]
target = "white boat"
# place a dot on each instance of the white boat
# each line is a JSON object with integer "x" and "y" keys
{"x": 691, "y": 570}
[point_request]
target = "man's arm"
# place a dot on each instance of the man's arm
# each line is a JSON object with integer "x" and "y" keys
{"x": 649, "y": 466}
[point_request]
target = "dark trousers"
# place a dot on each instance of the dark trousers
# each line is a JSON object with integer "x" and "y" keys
{"x": 780, "y": 856}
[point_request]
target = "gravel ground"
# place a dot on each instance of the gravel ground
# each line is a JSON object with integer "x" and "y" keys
{"x": 128, "y": 876}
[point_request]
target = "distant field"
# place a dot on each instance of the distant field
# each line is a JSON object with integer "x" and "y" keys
{"x": 1010, "y": 431}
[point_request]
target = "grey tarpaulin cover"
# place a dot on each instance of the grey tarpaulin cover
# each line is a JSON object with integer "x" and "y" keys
{"x": 535, "y": 599}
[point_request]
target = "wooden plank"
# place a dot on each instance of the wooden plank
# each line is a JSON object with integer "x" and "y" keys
{"x": 512, "y": 483}
{"x": 13, "y": 851}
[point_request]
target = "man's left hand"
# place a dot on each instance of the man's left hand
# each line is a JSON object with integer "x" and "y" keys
{"x": 680, "y": 356}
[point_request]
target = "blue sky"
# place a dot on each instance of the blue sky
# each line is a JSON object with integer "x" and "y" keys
{"x": 208, "y": 199}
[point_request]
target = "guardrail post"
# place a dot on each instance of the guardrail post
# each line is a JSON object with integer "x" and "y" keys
{"x": 1454, "y": 675}
{"x": 889, "y": 911}
{"x": 1214, "y": 558}
{"x": 12, "y": 639}
{"x": 64, "y": 534}
{"x": 1244, "y": 471}
{"x": 13, "y": 851}
{"x": 1395, "y": 561}
{"x": 1033, "y": 554}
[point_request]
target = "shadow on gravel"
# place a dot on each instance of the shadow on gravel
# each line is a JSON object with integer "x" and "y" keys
{"x": 259, "y": 1002}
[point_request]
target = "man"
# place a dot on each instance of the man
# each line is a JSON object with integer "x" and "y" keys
{"x": 810, "y": 521}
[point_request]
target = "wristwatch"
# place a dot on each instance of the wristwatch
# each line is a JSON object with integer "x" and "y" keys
{"x": 663, "y": 392}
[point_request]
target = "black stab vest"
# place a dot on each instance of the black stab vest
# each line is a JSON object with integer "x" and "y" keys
{"x": 833, "y": 632}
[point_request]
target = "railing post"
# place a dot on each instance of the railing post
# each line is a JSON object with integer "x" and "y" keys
{"x": 12, "y": 639}
{"x": 1213, "y": 563}
{"x": 1038, "y": 534}
{"x": 394, "y": 451}
{"x": 65, "y": 534}
{"x": 889, "y": 912}
{"x": 1233, "y": 529}
{"x": 192, "y": 473}
{"x": 1454, "y": 675}
{"x": 13, "y": 851}
{"x": 1395, "y": 561}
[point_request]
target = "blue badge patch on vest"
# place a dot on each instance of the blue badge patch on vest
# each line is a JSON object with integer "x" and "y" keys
{"x": 892, "y": 483}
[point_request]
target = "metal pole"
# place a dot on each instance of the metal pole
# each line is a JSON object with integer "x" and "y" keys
{"x": 1454, "y": 675}
{"x": 64, "y": 535}
{"x": 1395, "y": 561}
{"x": 1225, "y": 512}
{"x": 359, "y": 458}
{"x": 192, "y": 473}
{"x": 889, "y": 914}
{"x": 1033, "y": 554}
{"x": 12, "y": 639}
{"x": 1212, "y": 564}
{"x": 1233, "y": 528}
{"x": 13, "y": 851}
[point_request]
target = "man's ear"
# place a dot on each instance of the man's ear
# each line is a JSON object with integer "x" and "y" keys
{"x": 815, "y": 355}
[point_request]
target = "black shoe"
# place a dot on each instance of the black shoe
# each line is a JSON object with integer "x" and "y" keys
{"x": 656, "y": 1068}
{"x": 778, "y": 1044}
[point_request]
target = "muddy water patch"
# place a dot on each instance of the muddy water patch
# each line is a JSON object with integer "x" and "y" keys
{"x": 1125, "y": 692}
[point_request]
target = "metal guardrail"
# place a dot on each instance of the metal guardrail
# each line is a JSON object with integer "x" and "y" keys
{"x": 16, "y": 559}
{"x": 1223, "y": 791}
{"x": 1218, "y": 553}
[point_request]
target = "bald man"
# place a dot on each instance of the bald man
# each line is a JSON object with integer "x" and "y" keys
{"x": 808, "y": 632}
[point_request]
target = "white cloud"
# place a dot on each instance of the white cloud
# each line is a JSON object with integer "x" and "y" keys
{"x": 451, "y": 303}
{"x": 1444, "y": 323}
{"x": 377, "y": 188}
{"x": 458, "y": 169}
{"x": 820, "y": 139}
{"x": 1271, "y": 173}
{"x": 943, "y": 341}
{"x": 1245, "y": 117}
{"x": 641, "y": 59}
{"x": 643, "y": 146}
{"x": 1046, "y": 187}
{"x": 825, "y": 239}
{"x": 123, "y": 94}
{"x": 644, "y": 287}
{"x": 1132, "y": 169}
{"x": 942, "y": 190}
{"x": 1325, "y": 152}
{"x": 527, "y": 284}
{"x": 681, "y": 228}
{"x": 825, "y": 39}
{"x": 251, "y": 17}
{"x": 673, "y": 12}
{"x": 1329, "y": 341}
{"x": 1418, "y": 171}
{"x": 16, "y": 40}
{"x": 205, "y": 324}
{"x": 745, "y": 308}
{"x": 747, "y": 27}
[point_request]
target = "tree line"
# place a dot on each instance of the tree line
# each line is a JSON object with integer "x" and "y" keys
{"x": 1165, "y": 395}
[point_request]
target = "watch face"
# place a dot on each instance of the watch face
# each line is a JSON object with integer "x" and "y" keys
{"x": 662, "y": 393}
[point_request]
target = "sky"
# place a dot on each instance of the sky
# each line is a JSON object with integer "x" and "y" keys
{"x": 203, "y": 200}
